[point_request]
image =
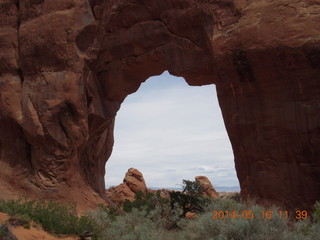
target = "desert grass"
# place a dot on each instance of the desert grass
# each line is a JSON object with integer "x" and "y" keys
{"x": 154, "y": 218}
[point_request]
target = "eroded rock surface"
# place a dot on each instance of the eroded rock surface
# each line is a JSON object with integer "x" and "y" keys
{"x": 133, "y": 183}
{"x": 66, "y": 67}
{"x": 206, "y": 186}
{"x": 119, "y": 194}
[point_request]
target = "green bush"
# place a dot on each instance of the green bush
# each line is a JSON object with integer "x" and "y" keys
{"x": 157, "y": 224}
{"x": 191, "y": 188}
{"x": 190, "y": 199}
{"x": 20, "y": 221}
{"x": 236, "y": 197}
{"x": 148, "y": 201}
{"x": 155, "y": 218}
{"x": 53, "y": 217}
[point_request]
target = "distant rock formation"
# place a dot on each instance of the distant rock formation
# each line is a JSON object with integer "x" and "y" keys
{"x": 133, "y": 182}
{"x": 206, "y": 186}
{"x": 120, "y": 193}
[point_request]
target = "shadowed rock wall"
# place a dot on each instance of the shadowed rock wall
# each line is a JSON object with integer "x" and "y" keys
{"x": 66, "y": 67}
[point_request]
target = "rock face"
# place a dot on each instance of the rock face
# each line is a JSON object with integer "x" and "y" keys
{"x": 66, "y": 66}
{"x": 207, "y": 188}
{"x": 133, "y": 183}
{"x": 119, "y": 194}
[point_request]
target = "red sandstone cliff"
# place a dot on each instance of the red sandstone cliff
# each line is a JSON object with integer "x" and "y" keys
{"x": 66, "y": 66}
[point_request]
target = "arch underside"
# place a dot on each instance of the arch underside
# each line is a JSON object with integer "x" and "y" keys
{"x": 76, "y": 62}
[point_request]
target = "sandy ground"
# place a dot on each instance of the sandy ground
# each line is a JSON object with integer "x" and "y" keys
{"x": 34, "y": 233}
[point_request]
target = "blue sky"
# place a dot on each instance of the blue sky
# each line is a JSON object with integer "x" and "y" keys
{"x": 170, "y": 131}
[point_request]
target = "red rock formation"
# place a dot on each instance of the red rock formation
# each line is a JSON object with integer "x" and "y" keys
{"x": 191, "y": 215}
{"x": 133, "y": 183}
{"x": 66, "y": 66}
{"x": 120, "y": 194}
{"x": 206, "y": 186}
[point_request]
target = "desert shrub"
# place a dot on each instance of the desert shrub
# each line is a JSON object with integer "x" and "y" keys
{"x": 186, "y": 202}
{"x": 300, "y": 230}
{"x": 219, "y": 204}
{"x": 20, "y": 221}
{"x": 236, "y": 197}
{"x": 191, "y": 188}
{"x": 230, "y": 228}
{"x": 167, "y": 218}
{"x": 101, "y": 219}
{"x": 157, "y": 224}
{"x": 53, "y": 217}
{"x": 16, "y": 207}
{"x": 142, "y": 224}
{"x": 190, "y": 199}
{"x": 151, "y": 217}
{"x": 165, "y": 221}
{"x": 109, "y": 213}
{"x": 124, "y": 227}
{"x": 148, "y": 201}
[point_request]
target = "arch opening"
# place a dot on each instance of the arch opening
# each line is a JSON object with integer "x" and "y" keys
{"x": 61, "y": 91}
{"x": 171, "y": 131}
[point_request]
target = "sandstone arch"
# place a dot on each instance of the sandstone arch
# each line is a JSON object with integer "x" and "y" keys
{"x": 66, "y": 66}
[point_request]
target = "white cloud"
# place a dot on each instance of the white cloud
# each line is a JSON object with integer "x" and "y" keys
{"x": 171, "y": 132}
